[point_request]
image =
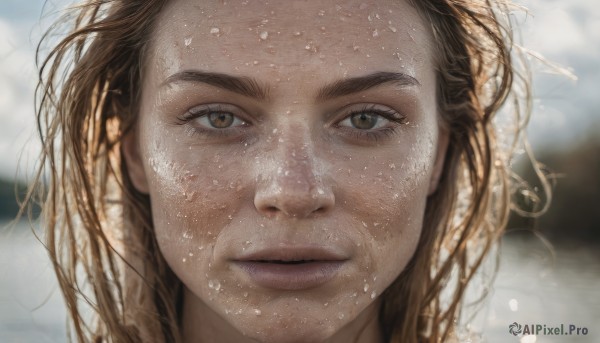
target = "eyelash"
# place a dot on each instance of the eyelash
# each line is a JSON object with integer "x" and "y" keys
{"x": 193, "y": 130}
{"x": 370, "y": 134}
{"x": 375, "y": 134}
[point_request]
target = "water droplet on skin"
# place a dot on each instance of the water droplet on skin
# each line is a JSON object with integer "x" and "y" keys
{"x": 187, "y": 41}
{"x": 257, "y": 312}
{"x": 320, "y": 191}
{"x": 245, "y": 294}
{"x": 215, "y": 31}
{"x": 365, "y": 224}
{"x": 215, "y": 182}
{"x": 255, "y": 62}
{"x": 392, "y": 166}
{"x": 264, "y": 35}
{"x": 375, "y": 33}
{"x": 393, "y": 29}
{"x": 341, "y": 315}
{"x": 297, "y": 33}
{"x": 321, "y": 13}
{"x": 183, "y": 259}
{"x": 366, "y": 287}
{"x": 325, "y": 304}
{"x": 191, "y": 254}
{"x": 373, "y": 295}
{"x": 214, "y": 284}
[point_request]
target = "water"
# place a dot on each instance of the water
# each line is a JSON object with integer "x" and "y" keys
{"x": 31, "y": 307}
{"x": 532, "y": 287}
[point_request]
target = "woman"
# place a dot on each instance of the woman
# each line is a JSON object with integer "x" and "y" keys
{"x": 274, "y": 171}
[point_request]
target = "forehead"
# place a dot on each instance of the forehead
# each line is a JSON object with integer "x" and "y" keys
{"x": 278, "y": 37}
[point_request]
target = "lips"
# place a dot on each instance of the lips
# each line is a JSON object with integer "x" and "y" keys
{"x": 291, "y": 267}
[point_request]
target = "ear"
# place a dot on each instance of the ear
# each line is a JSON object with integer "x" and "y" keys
{"x": 130, "y": 149}
{"x": 438, "y": 167}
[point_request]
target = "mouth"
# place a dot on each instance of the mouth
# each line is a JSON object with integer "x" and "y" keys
{"x": 291, "y": 268}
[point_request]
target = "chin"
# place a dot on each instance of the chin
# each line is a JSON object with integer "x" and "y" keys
{"x": 291, "y": 330}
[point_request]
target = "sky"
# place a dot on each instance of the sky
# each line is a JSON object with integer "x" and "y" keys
{"x": 565, "y": 111}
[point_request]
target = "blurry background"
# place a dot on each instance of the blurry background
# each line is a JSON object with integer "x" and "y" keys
{"x": 536, "y": 284}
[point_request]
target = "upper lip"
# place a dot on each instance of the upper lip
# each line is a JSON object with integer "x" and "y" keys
{"x": 287, "y": 253}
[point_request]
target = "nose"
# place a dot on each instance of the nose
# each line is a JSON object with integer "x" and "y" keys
{"x": 291, "y": 182}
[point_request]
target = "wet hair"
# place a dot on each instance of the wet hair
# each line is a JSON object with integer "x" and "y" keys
{"x": 98, "y": 227}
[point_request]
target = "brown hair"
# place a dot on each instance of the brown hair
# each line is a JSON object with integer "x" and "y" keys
{"x": 99, "y": 232}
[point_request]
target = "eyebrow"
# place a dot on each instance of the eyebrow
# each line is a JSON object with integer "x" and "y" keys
{"x": 251, "y": 88}
{"x": 242, "y": 85}
{"x": 361, "y": 83}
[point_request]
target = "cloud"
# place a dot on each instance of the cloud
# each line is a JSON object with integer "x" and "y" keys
{"x": 17, "y": 82}
{"x": 560, "y": 28}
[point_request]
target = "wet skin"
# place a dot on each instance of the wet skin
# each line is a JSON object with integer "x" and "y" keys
{"x": 276, "y": 132}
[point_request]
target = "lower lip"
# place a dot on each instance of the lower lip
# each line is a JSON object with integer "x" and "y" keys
{"x": 290, "y": 276}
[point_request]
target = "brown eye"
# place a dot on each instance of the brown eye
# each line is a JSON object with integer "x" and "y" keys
{"x": 220, "y": 120}
{"x": 364, "y": 120}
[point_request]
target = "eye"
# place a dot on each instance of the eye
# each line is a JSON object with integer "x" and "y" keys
{"x": 367, "y": 119}
{"x": 212, "y": 117}
{"x": 218, "y": 120}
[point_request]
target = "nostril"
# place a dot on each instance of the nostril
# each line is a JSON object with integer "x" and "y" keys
{"x": 271, "y": 209}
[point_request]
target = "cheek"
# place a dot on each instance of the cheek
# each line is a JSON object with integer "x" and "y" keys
{"x": 193, "y": 198}
{"x": 387, "y": 195}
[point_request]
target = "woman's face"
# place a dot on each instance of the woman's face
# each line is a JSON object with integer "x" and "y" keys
{"x": 288, "y": 148}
